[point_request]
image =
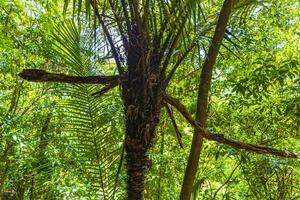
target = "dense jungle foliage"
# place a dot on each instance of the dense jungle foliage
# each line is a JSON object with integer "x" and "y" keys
{"x": 66, "y": 141}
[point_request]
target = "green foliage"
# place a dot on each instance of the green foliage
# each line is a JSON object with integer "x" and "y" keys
{"x": 255, "y": 98}
{"x": 92, "y": 125}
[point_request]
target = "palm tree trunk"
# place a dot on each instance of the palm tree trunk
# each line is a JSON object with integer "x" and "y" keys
{"x": 136, "y": 164}
{"x": 141, "y": 97}
{"x": 140, "y": 132}
{"x": 142, "y": 108}
{"x": 142, "y": 101}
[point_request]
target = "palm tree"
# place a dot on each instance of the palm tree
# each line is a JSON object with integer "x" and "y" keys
{"x": 149, "y": 39}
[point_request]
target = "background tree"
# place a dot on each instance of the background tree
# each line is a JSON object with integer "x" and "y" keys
{"x": 143, "y": 78}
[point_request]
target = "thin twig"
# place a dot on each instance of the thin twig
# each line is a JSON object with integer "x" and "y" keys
{"x": 105, "y": 89}
{"x": 178, "y": 133}
{"x": 227, "y": 180}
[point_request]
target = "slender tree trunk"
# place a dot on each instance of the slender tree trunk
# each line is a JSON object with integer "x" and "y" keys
{"x": 202, "y": 100}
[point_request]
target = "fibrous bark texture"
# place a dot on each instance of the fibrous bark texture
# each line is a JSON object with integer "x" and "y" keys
{"x": 141, "y": 97}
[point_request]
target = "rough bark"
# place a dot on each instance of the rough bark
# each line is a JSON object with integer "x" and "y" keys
{"x": 142, "y": 108}
{"x": 141, "y": 97}
{"x": 202, "y": 101}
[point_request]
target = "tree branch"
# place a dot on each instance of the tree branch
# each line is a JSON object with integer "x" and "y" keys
{"x": 228, "y": 179}
{"x": 105, "y": 89}
{"x": 37, "y": 75}
{"x": 109, "y": 37}
{"x": 179, "y": 61}
{"x": 187, "y": 52}
{"x": 260, "y": 149}
{"x": 177, "y": 132}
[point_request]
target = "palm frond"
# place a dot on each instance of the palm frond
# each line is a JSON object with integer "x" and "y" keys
{"x": 92, "y": 127}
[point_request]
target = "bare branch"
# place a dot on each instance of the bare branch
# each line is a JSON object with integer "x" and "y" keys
{"x": 37, "y": 75}
{"x": 105, "y": 89}
{"x": 172, "y": 46}
{"x": 178, "y": 133}
{"x": 186, "y": 52}
{"x": 179, "y": 61}
{"x": 109, "y": 37}
{"x": 228, "y": 179}
{"x": 260, "y": 149}
{"x": 114, "y": 9}
{"x": 181, "y": 108}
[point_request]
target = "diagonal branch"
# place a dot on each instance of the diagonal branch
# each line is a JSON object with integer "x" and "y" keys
{"x": 109, "y": 37}
{"x": 179, "y": 61}
{"x": 186, "y": 52}
{"x": 260, "y": 149}
{"x": 173, "y": 43}
{"x": 114, "y": 9}
{"x": 228, "y": 179}
{"x": 181, "y": 108}
{"x": 105, "y": 89}
{"x": 37, "y": 75}
{"x": 178, "y": 133}
{"x": 256, "y": 148}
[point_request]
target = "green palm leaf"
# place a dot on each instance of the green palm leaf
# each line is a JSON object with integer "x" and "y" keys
{"x": 92, "y": 126}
